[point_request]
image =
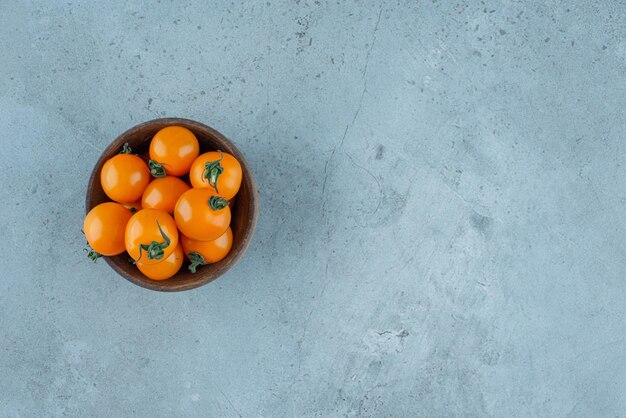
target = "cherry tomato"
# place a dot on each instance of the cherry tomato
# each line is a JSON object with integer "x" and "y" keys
{"x": 124, "y": 178}
{"x": 218, "y": 171}
{"x": 163, "y": 193}
{"x": 166, "y": 268}
{"x": 201, "y": 215}
{"x": 151, "y": 236}
{"x": 104, "y": 228}
{"x": 173, "y": 149}
{"x": 206, "y": 252}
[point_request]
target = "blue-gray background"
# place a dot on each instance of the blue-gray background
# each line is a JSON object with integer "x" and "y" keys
{"x": 442, "y": 224}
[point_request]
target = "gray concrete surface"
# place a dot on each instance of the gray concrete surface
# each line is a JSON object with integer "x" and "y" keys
{"x": 443, "y": 209}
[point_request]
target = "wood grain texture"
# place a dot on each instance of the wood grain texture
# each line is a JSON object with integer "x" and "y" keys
{"x": 244, "y": 214}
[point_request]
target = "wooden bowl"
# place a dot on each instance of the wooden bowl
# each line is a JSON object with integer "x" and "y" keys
{"x": 244, "y": 214}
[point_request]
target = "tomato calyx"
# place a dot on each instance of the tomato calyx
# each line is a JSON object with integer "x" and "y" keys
{"x": 154, "y": 249}
{"x": 126, "y": 149}
{"x": 92, "y": 254}
{"x": 196, "y": 260}
{"x": 156, "y": 169}
{"x": 212, "y": 171}
{"x": 217, "y": 202}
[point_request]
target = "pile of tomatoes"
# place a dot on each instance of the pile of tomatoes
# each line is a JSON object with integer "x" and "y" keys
{"x": 156, "y": 215}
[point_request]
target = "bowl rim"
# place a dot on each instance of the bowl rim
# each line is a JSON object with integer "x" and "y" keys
{"x": 248, "y": 233}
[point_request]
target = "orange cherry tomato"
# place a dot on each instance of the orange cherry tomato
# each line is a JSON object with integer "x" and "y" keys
{"x": 124, "y": 178}
{"x": 206, "y": 252}
{"x": 136, "y": 206}
{"x": 201, "y": 215}
{"x": 163, "y": 193}
{"x": 173, "y": 149}
{"x": 104, "y": 228}
{"x": 166, "y": 268}
{"x": 151, "y": 236}
{"x": 218, "y": 171}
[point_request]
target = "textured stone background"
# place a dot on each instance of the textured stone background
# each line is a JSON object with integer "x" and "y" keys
{"x": 443, "y": 209}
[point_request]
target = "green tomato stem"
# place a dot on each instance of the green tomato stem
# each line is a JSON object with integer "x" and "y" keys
{"x": 196, "y": 260}
{"x": 156, "y": 169}
{"x": 212, "y": 171}
{"x": 92, "y": 254}
{"x": 217, "y": 202}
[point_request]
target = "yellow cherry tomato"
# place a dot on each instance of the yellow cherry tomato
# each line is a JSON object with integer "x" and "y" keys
{"x": 218, "y": 171}
{"x": 151, "y": 236}
{"x": 124, "y": 178}
{"x": 206, "y": 252}
{"x": 166, "y": 268}
{"x": 172, "y": 150}
{"x": 201, "y": 215}
{"x": 163, "y": 193}
{"x": 104, "y": 228}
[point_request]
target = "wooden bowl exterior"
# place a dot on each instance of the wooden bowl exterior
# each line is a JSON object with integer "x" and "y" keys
{"x": 244, "y": 215}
